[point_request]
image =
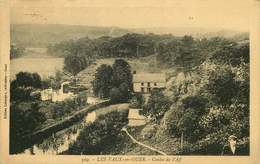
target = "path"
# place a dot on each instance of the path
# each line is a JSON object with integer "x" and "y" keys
{"x": 142, "y": 144}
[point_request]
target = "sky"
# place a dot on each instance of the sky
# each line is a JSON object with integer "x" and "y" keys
{"x": 226, "y": 14}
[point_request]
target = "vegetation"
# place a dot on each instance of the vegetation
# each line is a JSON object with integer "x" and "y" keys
{"x": 113, "y": 82}
{"x": 157, "y": 105}
{"x": 24, "y": 108}
{"x": 96, "y": 137}
{"x": 28, "y": 113}
{"x": 103, "y": 81}
{"x": 137, "y": 101}
{"x": 16, "y": 51}
{"x": 24, "y": 84}
{"x": 65, "y": 108}
{"x": 210, "y": 106}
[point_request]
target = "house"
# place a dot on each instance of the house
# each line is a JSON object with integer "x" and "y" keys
{"x": 145, "y": 82}
{"x": 56, "y": 95}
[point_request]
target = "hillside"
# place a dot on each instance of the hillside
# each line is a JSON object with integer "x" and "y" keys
{"x": 41, "y": 35}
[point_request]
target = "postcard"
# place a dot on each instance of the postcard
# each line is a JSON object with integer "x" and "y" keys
{"x": 148, "y": 81}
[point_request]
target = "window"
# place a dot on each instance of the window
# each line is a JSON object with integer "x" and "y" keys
{"x": 148, "y": 90}
{"x": 155, "y": 84}
{"x": 142, "y": 84}
{"x": 142, "y": 89}
{"x": 148, "y": 84}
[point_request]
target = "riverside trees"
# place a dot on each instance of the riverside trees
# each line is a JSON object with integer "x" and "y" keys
{"x": 24, "y": 108}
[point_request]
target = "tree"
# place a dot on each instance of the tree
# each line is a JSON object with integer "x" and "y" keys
{"x": 137, "y": 101}
{"x": 26, "y": 79}
{"x": 125, "y": 91}
{"x": 157, "y": 105}
{"x": 24, "y": 84}
{"x": 114, "y": 82}
{"x": 103, "y": 81}
{"x": 75, "y": 63}
{"x": 222, "y": 86}
{"x": 115, "y": 95}
{"x": 122, "y": 73}
{"x": 100, "y": 135}
{"x": 24, "y": 118}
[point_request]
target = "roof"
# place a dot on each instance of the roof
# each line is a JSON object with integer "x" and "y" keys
{"x": 149, "y": 77}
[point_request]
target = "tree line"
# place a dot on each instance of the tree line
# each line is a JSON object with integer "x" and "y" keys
{"x": 180, "y": 52}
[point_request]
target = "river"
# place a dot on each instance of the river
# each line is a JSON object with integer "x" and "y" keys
{"x": 61, "y": 140}
{"x": 36, "y": 60}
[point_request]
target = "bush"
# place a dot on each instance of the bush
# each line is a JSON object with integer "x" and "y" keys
{"x": 157, "y": 105}
{"x": 137, "y": 101}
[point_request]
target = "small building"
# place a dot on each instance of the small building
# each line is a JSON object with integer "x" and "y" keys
{"x": 145, "y": 82}
{"x": 57, "y": 95}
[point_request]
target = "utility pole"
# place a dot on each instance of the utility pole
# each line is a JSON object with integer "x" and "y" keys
{"x": 182, "y": 141}
{"x": 137, "y": 50}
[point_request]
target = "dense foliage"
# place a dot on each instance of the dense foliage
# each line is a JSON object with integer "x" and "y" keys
{"x": 113, "y": 82}
{"x": 24, "y": 108}
{"x": 103, "y": 81}
{"x": 214, "y": 103}
{"x": 100, "y": 135}
{"x": 157, "y": 105}
{"x": 24, "y": 84}
{"x": 137, "y": 101}
{"x": 128, "y": 45}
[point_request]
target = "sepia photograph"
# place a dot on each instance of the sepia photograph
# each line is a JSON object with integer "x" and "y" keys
{"x": 129, "y": 78}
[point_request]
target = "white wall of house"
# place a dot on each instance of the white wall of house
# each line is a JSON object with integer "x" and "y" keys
{"x": 137, "y": 86}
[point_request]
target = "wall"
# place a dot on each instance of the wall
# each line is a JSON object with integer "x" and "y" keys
{"x": 138, "y": 86}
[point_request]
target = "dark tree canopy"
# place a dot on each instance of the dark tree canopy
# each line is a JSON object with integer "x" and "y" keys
{"x": 103, "y": 81}
{"x": 74, "y": 64}
{"x": 122, "y": 73}
{"x": 26, "y": 79}
{"x": 114, "y": 82}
